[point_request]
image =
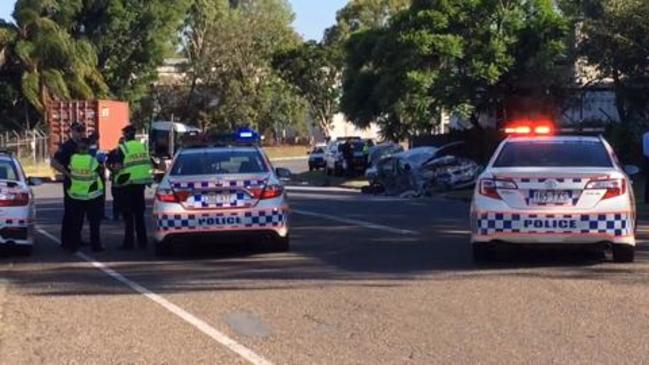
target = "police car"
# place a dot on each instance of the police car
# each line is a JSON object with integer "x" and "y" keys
{"x": 222, "y": 190}
{"x": 17, "y": 205}
{"x": 545, "y": 188}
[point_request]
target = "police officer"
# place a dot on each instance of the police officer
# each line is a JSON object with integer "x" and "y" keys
{"x": 135, "y": 172}
{"x": 85, "y": 192}
{"x": 113, "y": 163}
{"x": 60, "y": 163}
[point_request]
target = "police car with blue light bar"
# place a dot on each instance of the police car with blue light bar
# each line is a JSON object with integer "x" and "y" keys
{"x": 545, "y": 188}
{"x": 220, "y": 189}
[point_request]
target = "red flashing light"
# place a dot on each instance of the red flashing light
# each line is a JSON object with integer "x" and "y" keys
{"x": 538, "y": 128}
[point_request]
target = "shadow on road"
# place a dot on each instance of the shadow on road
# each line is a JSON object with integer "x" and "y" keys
{"x": 323, "y": 254}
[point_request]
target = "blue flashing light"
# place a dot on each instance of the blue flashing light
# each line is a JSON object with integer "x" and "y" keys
{"x": 246, "y": 135}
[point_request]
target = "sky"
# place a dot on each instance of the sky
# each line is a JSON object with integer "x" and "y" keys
{"x": 312, "y": 16}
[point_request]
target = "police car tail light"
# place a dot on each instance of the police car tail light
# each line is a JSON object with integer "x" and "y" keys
{"x": 613, "y": 187}
{"x": 490, "y": 187}
{"x": 169, "y": 196}
{"x": 18, "y": 199}
{"x": 269, "y": 192}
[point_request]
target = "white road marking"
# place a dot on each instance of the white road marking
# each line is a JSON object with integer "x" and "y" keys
{"x": 199, "y": 324}
{"x": 356, "y": 222}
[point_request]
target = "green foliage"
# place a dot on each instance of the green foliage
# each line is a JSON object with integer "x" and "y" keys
{"x": 132, "y": 39}
{"x": 229, "y": 48}
{"x": 615, "y": 40}
{"x": 313, "y": 71}
{"x": 454, "y": 55}
{"x": 52, "y": 64}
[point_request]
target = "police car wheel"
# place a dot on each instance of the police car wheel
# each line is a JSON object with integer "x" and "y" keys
{"x": 623, "y": 253}
{"x": 163, "y": 249}
{"x": 25, "y": 250}
{"x": 481, "y": 252}
{"x": 283, "y": 244}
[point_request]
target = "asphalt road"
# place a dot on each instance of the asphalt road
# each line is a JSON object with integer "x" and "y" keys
{"x": 368, "y": 280}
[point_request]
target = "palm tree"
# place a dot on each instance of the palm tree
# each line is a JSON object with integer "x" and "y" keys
{"x": 54, "y": 66}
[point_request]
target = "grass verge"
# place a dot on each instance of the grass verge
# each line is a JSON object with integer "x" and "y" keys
{"x": 319, "y": 178}
{"x": 275, "y": 152}
{"x": 42, "y": 170}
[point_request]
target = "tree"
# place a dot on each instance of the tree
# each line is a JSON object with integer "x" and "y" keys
{"x": 468, "y": 57}
{"x": 614, "y": 39}
{"x": 132, "y": 38}
{"x": 229, "y": 47}
{"x": 313, "y": 70}
{"x": 360, "y": 15}
{"x": 52, "y": 64}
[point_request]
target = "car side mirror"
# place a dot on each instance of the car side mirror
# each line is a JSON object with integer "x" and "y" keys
{"x": 34, "y": 181}
{"x": 631, "y": 170}
{"x": 283, "y": 173}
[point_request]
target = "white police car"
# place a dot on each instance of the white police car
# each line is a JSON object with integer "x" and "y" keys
{"x": 17, "y": 205}
{"x": 217, "y": 192}
{"x": 541, "y": 188}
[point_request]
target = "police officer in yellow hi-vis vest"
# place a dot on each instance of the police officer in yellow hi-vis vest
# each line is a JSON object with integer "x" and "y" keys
{"x": 85, "y": 191}
{"x": 135, "y": 172}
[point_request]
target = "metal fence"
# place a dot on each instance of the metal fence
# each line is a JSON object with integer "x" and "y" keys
{"x": 29, "y": 145}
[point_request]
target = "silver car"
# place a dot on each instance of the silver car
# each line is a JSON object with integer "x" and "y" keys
{"x": 221, "y": 193}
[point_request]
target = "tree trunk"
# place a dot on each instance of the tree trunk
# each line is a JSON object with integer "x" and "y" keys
{"x": 475, "y": 121}
{"x": 620, "y": 98}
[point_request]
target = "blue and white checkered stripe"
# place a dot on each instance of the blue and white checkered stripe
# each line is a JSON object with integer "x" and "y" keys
{"x": 216, "y": 221}
{"x": 218, "y": 184}
{"x": 15, "y": 222}
{"x": 576, "y": 180}
{"x": 613, "y": 224}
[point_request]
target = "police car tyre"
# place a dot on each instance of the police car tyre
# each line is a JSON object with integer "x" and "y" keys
{"x": 163, "y": 249}
{"x": 481, "y": 252}
{"x": 283, "y": 244}
{"x": 25, "y": 250}
{"x": 623, "y": 253}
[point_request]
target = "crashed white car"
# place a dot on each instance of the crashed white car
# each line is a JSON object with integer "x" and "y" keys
{"x": 546, "y": 189}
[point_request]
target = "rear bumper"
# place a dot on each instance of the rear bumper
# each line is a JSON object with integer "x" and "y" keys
{"x": 16, "y": 232}
{"x": 224, "y": 223}
{"x": 545, "y": 228}
{"x": 221, "y": 237}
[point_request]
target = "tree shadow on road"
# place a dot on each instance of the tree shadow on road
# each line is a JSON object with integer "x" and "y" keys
{"x": 322, "y": 255}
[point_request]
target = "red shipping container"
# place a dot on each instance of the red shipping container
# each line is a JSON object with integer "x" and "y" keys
{"x": 105, "y": 117}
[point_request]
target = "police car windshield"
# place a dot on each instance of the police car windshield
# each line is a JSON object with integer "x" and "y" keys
{"x": 557, "y": 153}
{"x": 8, "y": 170}
{"x": 219, "y": 162}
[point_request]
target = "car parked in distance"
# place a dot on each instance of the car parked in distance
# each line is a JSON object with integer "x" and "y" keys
{"x": 317, "y": 157}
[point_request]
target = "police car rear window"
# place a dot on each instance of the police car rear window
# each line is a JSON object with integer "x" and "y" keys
{"x": 553, "y": 154}
{"x": 8, "y": 170}
{"x": 219, "y": 162}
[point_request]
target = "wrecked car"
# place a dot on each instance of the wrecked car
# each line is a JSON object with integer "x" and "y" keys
{"x": 424, "y": 170}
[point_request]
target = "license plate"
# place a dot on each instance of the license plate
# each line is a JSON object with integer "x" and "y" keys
{"x": 218, "y": 199}
{"x": 550, "y": 197}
